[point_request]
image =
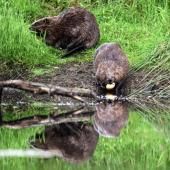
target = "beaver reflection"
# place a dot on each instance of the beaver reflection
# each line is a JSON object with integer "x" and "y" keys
{"x": 74, "y": 142}
{"x": 110, "y": 118}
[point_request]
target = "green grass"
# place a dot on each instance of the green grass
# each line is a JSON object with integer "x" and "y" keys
{"x": 17, "y": 44}
{"x": 139, "y": 26}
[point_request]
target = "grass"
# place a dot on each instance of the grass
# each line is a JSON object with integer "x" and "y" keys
{"x": 18, "y": 45}
{"x": 137, "y": 26}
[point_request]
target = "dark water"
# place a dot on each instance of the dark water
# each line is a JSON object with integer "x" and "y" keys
{"x": 101, "y": 135}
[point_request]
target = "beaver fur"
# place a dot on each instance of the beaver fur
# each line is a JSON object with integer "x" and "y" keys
{"x": 73, "y": 142}
{"x": 110, "y": 118}
{"x": 111, "y": 65}
{"x": 73, "y": 29}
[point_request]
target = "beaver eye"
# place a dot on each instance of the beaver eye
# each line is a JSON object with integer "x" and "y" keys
{"x": 46, "y": 21}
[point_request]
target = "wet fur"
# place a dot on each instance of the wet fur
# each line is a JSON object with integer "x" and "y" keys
{"x": 110, "y": 63}
{"x": 73, "y": 29}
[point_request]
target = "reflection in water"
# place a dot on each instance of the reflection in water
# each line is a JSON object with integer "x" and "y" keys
{"x": 74, "y": 142}
{"x": 71, "y": 135}
{"x": 110, "y": 118}
{"x": 79, "y": 115}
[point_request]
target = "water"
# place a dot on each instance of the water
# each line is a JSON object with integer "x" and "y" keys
{"x": 112, "y": 135}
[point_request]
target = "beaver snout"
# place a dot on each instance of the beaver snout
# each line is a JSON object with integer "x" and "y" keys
{"x": 108, "y": 84}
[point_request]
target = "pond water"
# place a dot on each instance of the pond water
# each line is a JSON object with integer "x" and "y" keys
{"x": 112, "y": 135}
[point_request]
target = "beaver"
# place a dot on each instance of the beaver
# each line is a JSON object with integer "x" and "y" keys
{"x": 73, "y": 29}
{"x": 74, "y": 142}
{"x": 111, "y": 66}
{"x": 110, "y": 118}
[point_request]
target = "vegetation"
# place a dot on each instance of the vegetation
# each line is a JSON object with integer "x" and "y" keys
{"x": 140, "y": 26}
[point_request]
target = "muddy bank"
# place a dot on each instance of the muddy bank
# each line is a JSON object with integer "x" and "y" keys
{"x": 69, "y": 75}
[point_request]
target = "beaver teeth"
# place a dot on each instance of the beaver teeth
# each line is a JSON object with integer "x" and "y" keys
{"x": 110, "y": 86}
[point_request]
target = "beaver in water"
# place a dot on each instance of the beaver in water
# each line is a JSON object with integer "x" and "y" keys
{"x": 111, "y": 66}
{"x": 73, "y": 29}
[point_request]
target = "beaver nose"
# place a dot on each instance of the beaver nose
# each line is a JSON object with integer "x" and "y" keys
{"x": 109, "y": 81}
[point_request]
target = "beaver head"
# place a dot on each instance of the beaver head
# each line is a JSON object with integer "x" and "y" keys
{"x": 108, "y": 74}
{"x": 45, "y": 28}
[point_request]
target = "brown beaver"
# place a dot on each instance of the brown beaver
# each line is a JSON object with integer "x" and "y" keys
{"x": 110, "y": 118}
{"x": 73, "y": 29}
{"x": 111, "y": 65}
{"x": 73, "y": 142}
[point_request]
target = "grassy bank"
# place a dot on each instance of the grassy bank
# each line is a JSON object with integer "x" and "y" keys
{"x": 139, "y": 26}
